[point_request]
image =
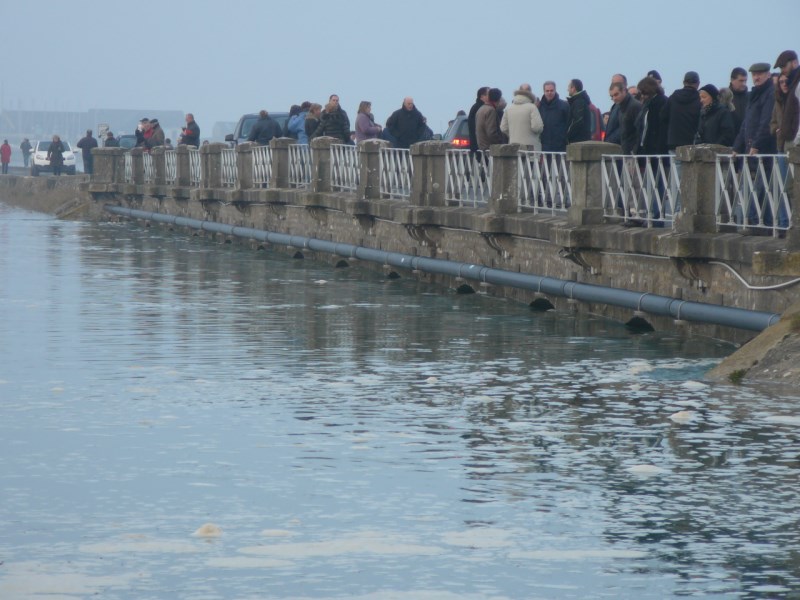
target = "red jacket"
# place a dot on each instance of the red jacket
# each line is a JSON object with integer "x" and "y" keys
{"x": 5, "y": 153}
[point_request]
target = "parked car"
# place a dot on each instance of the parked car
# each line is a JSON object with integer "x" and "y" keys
{"x": 127, "y": 141}
{"x": 246, "y": 123}
{"x": 458, "y": 133}
{"x": 40, "y": 164}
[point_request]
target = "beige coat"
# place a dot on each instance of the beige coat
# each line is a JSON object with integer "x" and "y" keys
{"x": 522, "y": 122}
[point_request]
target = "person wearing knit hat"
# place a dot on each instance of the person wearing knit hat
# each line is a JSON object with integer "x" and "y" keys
{"x": 716, "y": 121}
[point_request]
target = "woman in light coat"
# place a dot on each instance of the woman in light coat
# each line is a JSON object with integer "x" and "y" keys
{"x": 522, "y": 122}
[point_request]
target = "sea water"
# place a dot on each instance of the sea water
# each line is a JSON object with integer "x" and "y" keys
{"x": 186, "y": 419}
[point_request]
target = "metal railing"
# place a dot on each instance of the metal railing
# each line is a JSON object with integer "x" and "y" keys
{"x": 640, "y": 190}
{"x": 230, "y": 174}
{"x": 128, "y": 168}
{"x": 195, "y": 168}
{"x": 544, "y": 184}
{"x": 754, "y": 192}
{"x": 149, "y": 169}
{"x": 262, "y": 166}
{"x": 397, "y": 171}
{"x": 170, "y": 167}
{"x": 345, "y": 167}
{"x": 468, "y": 177}
{"x": 300, "y": 167}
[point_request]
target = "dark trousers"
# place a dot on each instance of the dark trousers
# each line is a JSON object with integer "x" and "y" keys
{"x": 5, "y": 168}
{"x": 88, "y": 164}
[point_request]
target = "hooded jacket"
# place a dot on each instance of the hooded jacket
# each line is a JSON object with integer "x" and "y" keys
{"x": 295, "y": 126}
{"x": 650, "y": 127}
{"x": 487, "y": 127}
{"x": 334, "y": 124}
{"x": 522, "y": 122}
{"x": 681, "y": 116}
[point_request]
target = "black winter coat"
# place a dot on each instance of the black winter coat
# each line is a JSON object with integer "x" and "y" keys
{"x": 334, "y": 124}
{"x": 555, "y": 116}
{"x": 407, "y": 126}
{"x": 755, "y": 131}
{"x": 628, "y": 113}
{"x": 650, "y": 127}
{"x": 716, "y": 126}
{"x": 580, "y": 118}
{"x": 681, "y": 116}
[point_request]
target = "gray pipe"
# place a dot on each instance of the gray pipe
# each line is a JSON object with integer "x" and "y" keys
{"x": 664, "y": 306}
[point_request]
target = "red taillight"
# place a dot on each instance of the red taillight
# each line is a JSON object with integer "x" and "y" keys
{"x": 460, "y": 142}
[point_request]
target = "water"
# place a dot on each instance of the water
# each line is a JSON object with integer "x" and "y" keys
{"x": 356, "y": 437}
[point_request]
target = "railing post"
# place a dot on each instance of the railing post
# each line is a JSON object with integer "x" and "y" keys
{"x": 586, "y": 180}
{"x": 137, "y": 166}
{"x": 369, "y": 184}
{"x": 183, "y": 169}
{"x": 159, "y": 165}
{"x": 321, "y": 165}
{"x": 211, "y": 156}
{"x": 793, "y": 234}
{"x": 698, "y": 186}
{"x": 505, "y": 179}
{"x": 280, "y": 162}
{"x": 109, "y": 165}
{"x": 430, "y": 173}
{"x": 244, "y": 164}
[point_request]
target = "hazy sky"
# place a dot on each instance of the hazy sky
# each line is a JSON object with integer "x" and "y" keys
{"x": 219, "y": 59}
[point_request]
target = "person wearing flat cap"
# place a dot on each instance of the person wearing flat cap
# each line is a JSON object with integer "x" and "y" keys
{"x": 790, "y": 120}
{"x": 716, "y": 121}
{"x": 755, "y": 137}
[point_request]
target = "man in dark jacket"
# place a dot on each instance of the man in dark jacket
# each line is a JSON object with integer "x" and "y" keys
{"x": 579, "y": 128}
{"x": 738, "y": 87}
{"x": 86, "y": 144}
{"x": 628, "y": 109}
{"x": 754, "y": 137}
{"x": 407, "y": 124}
{"x": 264, "y": 129}
{"x": 481, "y": 99}
{"x": 555, "y": 116}
{"x": 612, "y": 128}
{"x": 681, "y": 115}
{"x": 191, "y": 133}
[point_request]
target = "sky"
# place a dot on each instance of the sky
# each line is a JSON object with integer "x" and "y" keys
{"x": 219, "y": 59}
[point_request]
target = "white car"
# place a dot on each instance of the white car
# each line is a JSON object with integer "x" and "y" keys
{"x": 40, "y": 164}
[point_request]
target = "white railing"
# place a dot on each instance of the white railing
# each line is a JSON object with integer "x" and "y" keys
{"x": 754, "y": 192}
{"x": 544, "y": 184}
{"x": 640, "y": 190}
{"x": 128, "y": 168}
{"x": 195, "y": 168}
{"x": 345, "y": 167}
{"x": 299, "y": 165}
{"x": 397, "y": 171}
{"x": 230, "y": 174}
{"x": 262, "y": 166}
{"x": 170, "y": 167}
{"x": 149, "y": 169}
{"x": 468, "y": 177}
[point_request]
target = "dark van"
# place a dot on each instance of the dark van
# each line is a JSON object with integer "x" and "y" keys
{"x": 246, "y": 122}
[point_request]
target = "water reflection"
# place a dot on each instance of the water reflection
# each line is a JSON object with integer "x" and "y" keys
{"x": 360, "y": 437}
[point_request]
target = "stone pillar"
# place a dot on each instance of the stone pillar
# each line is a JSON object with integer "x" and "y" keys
{"x": 211, "y": 158}
{"x": 369, "y": 185}
{"x": 428, "y": 183}
{"x": 321, "y": 164}
{"x": 109, "y": 165}
{"x": 586, "y": 181}
{"x": 244, "y": 164}
{"x": 137, "y": 166}
{"x": 698, "y": 186}
{"x": 505, "y": 179}
{"x": 280, "y": 162}
{"x": 182, "y": 167}
{"x": 159, "y": 165}
{"x": 793, "y": 235}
